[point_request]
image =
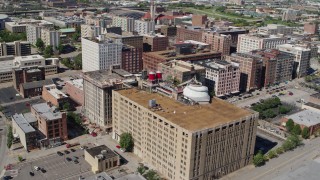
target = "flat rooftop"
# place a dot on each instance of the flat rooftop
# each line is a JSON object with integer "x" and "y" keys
{"x": 29, "y": 117}
{"x": 6, "y": 66}
{"x": 23, "y": 123}
{"x": 29, "y": 58}
{"x": 78, "y": 83}
{"x": 306, "y": 117}
{"x": 49, "y": 113}
{"x": 192, "y": 118}
{"x": 95, "y": 151}
{"x": 166, "y": 55}
{"x": 182, "y": 66}
{"x": 56, "y": 93}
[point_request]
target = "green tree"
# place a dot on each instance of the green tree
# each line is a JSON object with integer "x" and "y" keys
{"x": 126, "y": 141}
{"x": 295, "y": 140}
{"x": 48, "y": 52}
{"x": 73, "y": 117}
{"x": 77, "y": 62}
{"x": 258, "y": 159}
{"x": 288, "y": 145}
{"x": 296, "y": 130}
{"x": 9, "y": 137}
{"x": 76, "y": 36}
{"x": 60, "y": 48}
{"x": 152, "y": 175}
{"x": 272, "y": 154}
{"x": 279, "y": 150}
{"x": 269, "y": 113}
{"x": 289, "y": 125}
{"x": 305, "y": 133}
{"x": 20, "y": 158}
{"x": 40, "y": 44}
{"x": 284, "y": 110}
{"x": 66, "y": 106}
{"x": 141, "y": 170}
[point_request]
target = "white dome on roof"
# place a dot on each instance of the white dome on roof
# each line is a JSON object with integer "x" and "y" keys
{"x": 197, "y": 93}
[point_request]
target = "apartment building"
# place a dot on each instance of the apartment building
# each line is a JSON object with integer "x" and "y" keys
{"x": 131, "y": 59}
{"x": 126, "y": 23}
{"x": 155, "y": 42}
{"x": 247, "y": 43}
{"x": 250, "y": 70}
{"x": 152, "y": 59}
{"x": 21, "y": 25}
{"x": 33, "y": 33}
{"x": 189, "y": 33}
{"x": 274, "y": 29}
{"x": 311, "y": 28}
{"x": 289, "y": 15}
{"x": 51, "y": 94}
{"x": 199, "y": 20}
{"x": 127, "y": 39}
{"x": 100, "y": 53}
{"x": 221, "y": 43}
{"x": 27, "y": 74}
{"x": 144, "y": 27}
{"x": 97, "y": 87}
{"x": 302, "y": 58}
{"x": 222, "y": 77}
{"x": 90, "y": 31}
{"x": 16, "y": 48}
{"x": 181, "y": 71}
{"x": 168, "y": 30}
{"x": 51, "y": 123}
{"x": 50, "y": 37}
{"x": 184, "y": 141}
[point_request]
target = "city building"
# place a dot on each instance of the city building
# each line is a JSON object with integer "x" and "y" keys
{"x": 16, "y": 48}
{"x": 50, "y": 37}
{"x": 250, "y": 70}
{"x": 65, "y": 21}
{"x": 34, "y": 88}
{"x": 74, "y": 89}
{"x": 199, "y": 20}
{"x": 311, "y": 28}
{"x": 103, "y": 22}
{"x": 222, "y": 77}
{"x": 105, "y": 176}
{"x": 51, "y": 123}
{"x": 3, "y": 19}
{"x": 100, "y": 53}
{"x": 155, "y": 42}
{"x": 189, "y": 33}
{"x": 127, "y": 39}
{"x": 305, "y": 118}
{"x": 90, "y": 31}
{"x": 168, "y": 30}
{"x": 289, "y": 15}
{"x": 97, "y": 87}
{"x": 274, "y": 29}
{"x": 181, "y": 71}
{"x": 302, "y": 58}
{"x": 101, "y": 158}
{"x": 247, "y": 43}
{"x": 33, "y": 30}
{"x": 152, "y": 59}
{"x": 21, "y": 25}
{"x": 221, "y": 43}
{"x": 126, "y": 24}
{"x": 144, "y": 27}
{"x": 27, "y": 74}
{"x": 237, "y": 2}
{"x": 51, "y": 94}
{"x": 184, "y": 141}
{"x": 131, "y": 59}
{"x": 22, "y": 129}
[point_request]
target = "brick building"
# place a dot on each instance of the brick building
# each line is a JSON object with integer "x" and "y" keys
{"x": 74, "y": 89}
{"x": 32, "y": 89}
{"x": 311, "y": 28}
{"x": 155, "y": 43}
{"x": 199, "y": 20}
{"x": 51, "y": 123}
{"x": 152, "y": 59}
{"x": 189, "y": 33}
{"x": 27, "y": 74}
{"x": 51, "y": 94}
{"x": 168, "y": 30}
{"x": 222, "y": 43}
{"x": 131, "y": 59}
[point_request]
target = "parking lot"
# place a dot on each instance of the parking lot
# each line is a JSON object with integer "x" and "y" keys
{"x": 8, "y": 94}
{"x": 54, "y": 167}
{"x": 20, "y": 107}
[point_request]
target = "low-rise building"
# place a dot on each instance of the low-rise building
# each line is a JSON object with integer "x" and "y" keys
{"x": 189, "y": 33}
{"x": 65, "y": 21}
{"x": 32, "y": 89}
{"x": 16, "y": 48}
{"x": 22, "y": 129}
{"x": 74, "y": 89}
{"x": 101, "y": 158}
{"x": 51, "y": 123}
{"x": 274, "y": 29}
{"x": 27, "y": 74}
{"x": 21, "y": 25}
{"x": 51, "y": 94}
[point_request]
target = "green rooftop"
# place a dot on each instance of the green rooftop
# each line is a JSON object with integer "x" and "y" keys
{"x": 67, "y": 30}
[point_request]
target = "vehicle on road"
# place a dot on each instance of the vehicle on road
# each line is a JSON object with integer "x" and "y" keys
{"x": 36, "y": 168}
{"x": 43, "y": 170}
{"x": 72, "y": 150}
{"x": 66, "y": 152}
{"x": 291, "y": 93}
{"x": 83, "y": 147}
{"x": 68, "y": 159}
{"x": 76, "y": 161}
{"x": 59, "y": 153}
{"x": 31, "y": 173}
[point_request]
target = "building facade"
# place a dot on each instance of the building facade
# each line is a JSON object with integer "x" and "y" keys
{"x": 51, "y": 94}
{"x": 50, "y": 37}
{"x": 183, "y": 141}
{"x": 74, "y": 89}
{"x": 222, "y": 43}
{"x": 16, "y": 48}
{"x": 189, "y": 33}
{"x": 274, "y": 29}
{"x": 311, "y": 28}
{"x": 199, "y": 20}
{"x": 126, "y": 24}
{"x": 144, "y": 27}
{"x": 131, "y": 59}
{"x": 27, "y": 74}
{"x": 155, "y": 43}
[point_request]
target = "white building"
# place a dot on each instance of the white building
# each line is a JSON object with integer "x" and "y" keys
{"x": 33, "y": 33}
{"x": 90, "y": 31}
{"x": 144, "y": 27}
{"x": 50, "y": 37}
{"x": 274, "y": 29}
{"x": 126, "y": 24}
{"x": 289, "y": 15}
{"x": 247, "y": 42}
{"x": 302, "y": 58}
{"x": 100, "y": 53}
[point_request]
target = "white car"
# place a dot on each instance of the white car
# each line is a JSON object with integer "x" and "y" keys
{"x": 36, "y": 168}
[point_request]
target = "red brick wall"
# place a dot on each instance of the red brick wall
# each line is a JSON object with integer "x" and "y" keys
{"x": 75, "y": 93}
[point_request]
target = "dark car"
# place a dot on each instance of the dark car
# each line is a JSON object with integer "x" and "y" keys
{"x": 66, "y": 151}
{"x": 68, "y": 159}
{"x": 43, "y": 170}
{"x": 60, "y": 153}
{"x": 76, "y": 161}
{"x": 72, "y": 150}
{"x": 31, "y": 173}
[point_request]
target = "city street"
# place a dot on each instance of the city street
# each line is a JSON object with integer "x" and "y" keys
{"x": 3, "y": 142}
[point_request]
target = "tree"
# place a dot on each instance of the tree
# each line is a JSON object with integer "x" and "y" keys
{"x": 60, "y": 48}
{"x": 76, "y": 36}
{"x": 48, "y": 52}
{"x": 305, "y": 133}
{"x": 77, "y": 62}
{"x": 141, "y": 170}
{"x": 9, "y": 137}
{"x": 269, "y": 113}
{"x": 73, "y": 117}
{"x": 272, "y": 154}
{"x": 296, "y": 130}
{"x": 284, "y": 110}
{"x": 289, "y": 125}
{"x": 66, "y": 106}
{"x": 152, "y": 175}
{"x": 20, "y": 158}
{"x": 295, "y": 140}
{"x": 279, "y": 150}
{"x": 258, "y": 159}
{"x": 126, "y": 141}
{"x": 40, "y": 44}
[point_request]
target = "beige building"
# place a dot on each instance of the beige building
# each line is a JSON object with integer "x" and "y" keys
{"x": 276, "y": 29}
{"x": 183, "y": 141}
{"x": 101, "y": 158}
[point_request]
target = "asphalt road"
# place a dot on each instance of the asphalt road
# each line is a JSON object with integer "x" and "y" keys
{"x": 3, "y": 143}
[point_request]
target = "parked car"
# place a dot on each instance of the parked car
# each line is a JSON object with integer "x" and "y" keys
{"x": 66, "y": 151}
{"x": 83, "y": 147}
{"x": 31, "y": 173}
{"x": 59, "y": 153}
{"x": 43, "y": 170}
{"x": 36, "y": 168}
{"x": 72, "y": 150}
{"x": 76, "y": 161}
{"x": 68, "y": 159}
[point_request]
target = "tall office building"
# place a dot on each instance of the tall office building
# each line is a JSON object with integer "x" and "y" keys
{"x": 50, "y": 37}
{"x": 100, "y": 53}
{"x": 184, "y": 141}
{"x": 247, "y": 43}
{"x": 144, "y": 27}
{"x": 126, "y": 23}
{"x": 90, "y": 31}
{"x": 16, "y": 48}
{"x": 222, "y": 44}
